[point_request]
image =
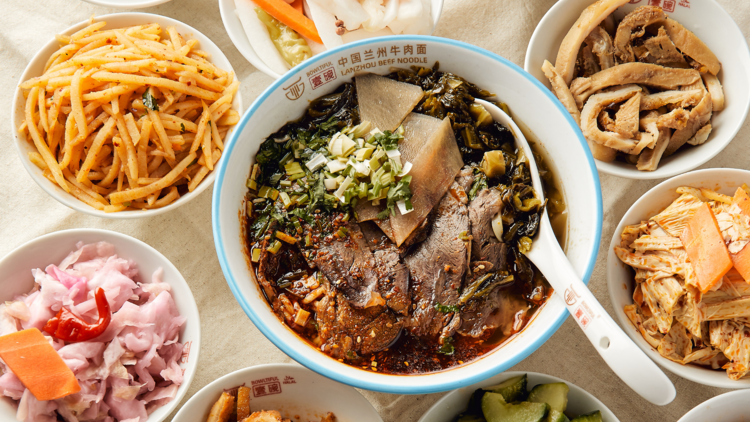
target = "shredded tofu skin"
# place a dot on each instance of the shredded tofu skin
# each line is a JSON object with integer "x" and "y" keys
{"x": 711, "y": 329}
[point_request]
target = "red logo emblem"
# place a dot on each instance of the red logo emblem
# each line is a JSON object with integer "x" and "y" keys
{"x": 266, "y": 387}
{"x": 322, "y": 77}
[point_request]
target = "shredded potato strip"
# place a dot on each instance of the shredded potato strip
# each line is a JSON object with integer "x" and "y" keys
{"x": 128, "y": 118}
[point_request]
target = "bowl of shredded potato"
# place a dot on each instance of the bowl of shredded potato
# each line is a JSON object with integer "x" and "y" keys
{"x": 130, "y": 112}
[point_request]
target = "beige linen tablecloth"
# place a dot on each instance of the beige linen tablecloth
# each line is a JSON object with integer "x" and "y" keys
{"x": 230, "y": 341}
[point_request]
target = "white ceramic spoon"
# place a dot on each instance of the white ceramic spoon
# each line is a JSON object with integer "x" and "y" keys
{"x": 622, "y": 355}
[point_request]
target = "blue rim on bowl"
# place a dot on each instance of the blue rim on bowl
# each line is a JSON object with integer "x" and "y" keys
{"x": 316, "y": 365}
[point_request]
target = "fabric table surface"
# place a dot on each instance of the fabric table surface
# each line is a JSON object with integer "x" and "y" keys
{"x": 230, "y": 341}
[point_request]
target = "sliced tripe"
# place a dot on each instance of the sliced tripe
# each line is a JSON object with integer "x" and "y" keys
{"x": 692, "y": 46}
{"x": 741, "y": 259}
{"x": 627, "y": 117}
{"x": 649, "y": 158}
{"x": 385, "y": 102}
{"x": 705, "y": 248}
{"x": 589, "y": 19}
{"x": 428, "y": 185}
{"x": 32, "y": 359}
{"x": 561, "y": 91}
{"x": 699, "y": 116}
{"x": 715, "y": 89}
{"x": 257, "y": 34}
{"x": 325, "y": 22}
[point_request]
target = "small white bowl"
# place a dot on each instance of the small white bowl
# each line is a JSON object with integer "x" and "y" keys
{"x": 298, "y": 393}
{"x": 727, "y": 407}
{"x": 530, "y": 103}
{"x": 237, "y": 34}
{"x": 16, "y": 279}
{"x": 127, "y": 4}
{"x": 36, "y": 67}
{"x": 620, "y": 278}
{"x": 712, "y": 24}
{"x": 580, "y": 401}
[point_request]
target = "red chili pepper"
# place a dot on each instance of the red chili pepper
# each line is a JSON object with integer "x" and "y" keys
{"x": 67, "y": 326}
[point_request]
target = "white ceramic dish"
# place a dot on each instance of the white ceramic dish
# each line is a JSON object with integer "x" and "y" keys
{"x": 299, "y": 394}
{"x": 529, "y": 102}
{"x": 579, "y": 400}
{"x": 712, "y": 24}
{"x": 16, "y": 278}
{"x": 620, "y": 278}
{"x": 36, "y": 67}
{"x": 237, "y": 34}
{"x": 727, "y": 407}
{"x": 127, "y": 4}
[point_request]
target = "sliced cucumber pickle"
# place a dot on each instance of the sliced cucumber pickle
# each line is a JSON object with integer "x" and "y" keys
{"x": 512, "y": 389}
{"x": 495, "y": 409}
{"x": 555, "y": 395}
{"x": 589, "y": 417}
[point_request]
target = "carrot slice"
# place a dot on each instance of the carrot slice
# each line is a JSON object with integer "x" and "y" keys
{"x": 294, "y": 19}
{"x": 706, "y": 248}
{"x": 33, "y": 360}
{"x": 298, "y": 6}
{"x": 741, "y": 259}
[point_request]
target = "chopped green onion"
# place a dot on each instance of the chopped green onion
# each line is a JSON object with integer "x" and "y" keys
{"x": 293, "y": 168}
{"x": 285, "y": 199}
{"x": 361, "y": 129}
{"x": 256, "y": 255}
{"x": 268, "y": 192}
{"x": 251, "y": 184}
{"x": 275, "y": 247}
{"x": 297, "y": 176}
{"x": 285, "y": 237}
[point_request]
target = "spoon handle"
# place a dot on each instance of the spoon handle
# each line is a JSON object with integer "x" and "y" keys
{"x": 622, "y": 355}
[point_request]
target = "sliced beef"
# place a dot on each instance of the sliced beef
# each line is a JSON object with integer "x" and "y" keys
{"x": 437, "y": 267}
{"x": 465, "y": 178}
{"x": 484, "y": 243}
{"x": 499, "y": 309}
{"x": 346, "y": 331}
{"x": 364, "y": 277}
{"x": 347, "y": 263}
{"x": 393, "y": 279}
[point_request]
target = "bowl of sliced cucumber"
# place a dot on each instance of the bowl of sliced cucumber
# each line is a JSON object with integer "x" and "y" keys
{"x": 520, "y": 396}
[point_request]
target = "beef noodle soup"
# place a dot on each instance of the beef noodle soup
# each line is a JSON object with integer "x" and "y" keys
{"x": 387, "y": 225}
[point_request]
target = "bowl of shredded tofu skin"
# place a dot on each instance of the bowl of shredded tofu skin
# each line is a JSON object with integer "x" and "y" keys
{"x": 94, "y": 326}
{"x": 276, "y": 35}
{"x": 658, "y": 88}
{"x": 677, "y": 272}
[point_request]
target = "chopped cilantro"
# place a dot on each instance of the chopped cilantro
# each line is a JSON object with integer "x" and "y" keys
{"x": 447, "y": 347}
{"x": 182, "y": 127}
{"x": 149, "y": 101}
{"x": 446, "y": 309}
{"x": 397, "y": 193}
{"x": 480, "y": 183}
{"x": 387, "y": 139}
